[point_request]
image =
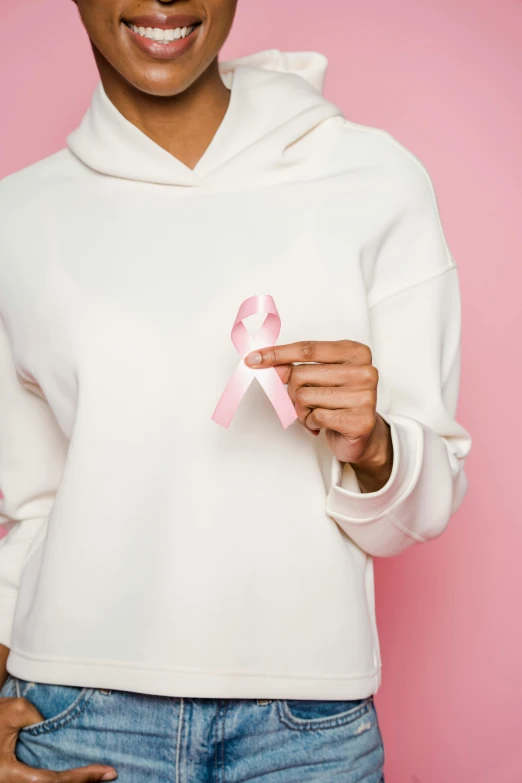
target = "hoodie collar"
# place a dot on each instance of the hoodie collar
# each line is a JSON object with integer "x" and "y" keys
{"x": 276, "y": 98}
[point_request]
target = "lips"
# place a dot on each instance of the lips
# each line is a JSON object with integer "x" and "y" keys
{"x": 163, "y": 21}
{"x": 164, "y": 49}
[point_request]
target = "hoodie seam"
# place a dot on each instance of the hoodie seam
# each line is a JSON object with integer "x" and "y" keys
{"x": 407, "y": 286}
{"x": 185, "y": 671}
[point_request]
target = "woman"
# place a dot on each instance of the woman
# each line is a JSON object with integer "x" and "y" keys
{"x": 186, "y": 586}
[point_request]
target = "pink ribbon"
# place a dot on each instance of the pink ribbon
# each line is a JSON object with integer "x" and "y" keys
{"x": 243, "y": 375}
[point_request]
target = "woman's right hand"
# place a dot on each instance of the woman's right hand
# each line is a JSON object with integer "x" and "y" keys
{"x": 17, "y": 712}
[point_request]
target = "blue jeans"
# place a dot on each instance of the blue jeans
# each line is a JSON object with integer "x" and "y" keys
{"x": 164, "y": 739}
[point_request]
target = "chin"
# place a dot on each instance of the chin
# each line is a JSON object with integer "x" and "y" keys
{"x": 152, "y": 84}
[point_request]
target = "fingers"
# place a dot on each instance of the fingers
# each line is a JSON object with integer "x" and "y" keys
{"x": 21, "y": 773}
{"x": 16, "y": 772}
{"x": 345, "y": 447}
{"x": 323, "y": 351}
{"x": 15, "y": 714}
{"x": 90, "y": 774}
{"x": 332, "y": 397}
{"x": 336, "y": 382}
{"x": 358, "y": 377}
{"x": 353, "y": 425}
{"x": 352, "y": 414}
{"x": 362, "y": 375}
{"x": 357, "y": 394}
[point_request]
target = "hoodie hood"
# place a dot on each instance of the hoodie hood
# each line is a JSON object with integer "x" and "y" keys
{"x": 276, "y": 99}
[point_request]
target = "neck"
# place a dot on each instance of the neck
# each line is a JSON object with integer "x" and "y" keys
{"x": 182, "y": 124}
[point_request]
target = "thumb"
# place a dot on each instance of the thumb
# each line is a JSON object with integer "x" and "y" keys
{"x": 284, "y": 371}
{"x": 15, "y": 713}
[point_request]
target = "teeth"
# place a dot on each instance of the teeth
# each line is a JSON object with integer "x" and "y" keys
{"x": 164, "y": 36}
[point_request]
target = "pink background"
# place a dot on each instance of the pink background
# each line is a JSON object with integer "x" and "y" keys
{"x": 444, "y": 78}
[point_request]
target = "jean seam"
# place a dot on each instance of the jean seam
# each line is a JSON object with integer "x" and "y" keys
{"x": 178, "y": 743}
{"x": 216, "y": 744}
{"x": 219, "y": 741}
{"x": 223, "y": 733}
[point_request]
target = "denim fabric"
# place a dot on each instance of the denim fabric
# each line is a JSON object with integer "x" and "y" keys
{"x": 163, "y": 739}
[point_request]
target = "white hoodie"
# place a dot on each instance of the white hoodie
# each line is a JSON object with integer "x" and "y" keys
{"x": 150, "y": 549}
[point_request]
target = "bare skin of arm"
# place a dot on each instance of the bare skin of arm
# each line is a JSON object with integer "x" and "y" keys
{"x": 4, "y": 652}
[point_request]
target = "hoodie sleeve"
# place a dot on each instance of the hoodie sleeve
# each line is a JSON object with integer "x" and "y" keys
{"x": 414, "y": 303}
{"x": 32, "y": 456}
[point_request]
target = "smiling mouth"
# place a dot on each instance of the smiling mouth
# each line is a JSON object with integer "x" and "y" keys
{"x": 162, "y": 36}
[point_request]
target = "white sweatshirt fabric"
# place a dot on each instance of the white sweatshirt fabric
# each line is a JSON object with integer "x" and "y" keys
{"x": 150, "y": 549}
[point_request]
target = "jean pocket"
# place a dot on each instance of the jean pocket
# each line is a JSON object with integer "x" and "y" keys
{"x": 307, "y": 715}
{"x": 58, "y": 704}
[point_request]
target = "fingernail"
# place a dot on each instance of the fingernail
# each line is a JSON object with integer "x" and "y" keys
{"x": 254, "y": 358}
{"x": 110, "y": 776}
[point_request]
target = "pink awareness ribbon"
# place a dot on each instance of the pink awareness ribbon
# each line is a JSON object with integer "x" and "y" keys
{"x": 243, "y": 375}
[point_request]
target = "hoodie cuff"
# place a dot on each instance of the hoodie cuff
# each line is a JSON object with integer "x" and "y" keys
{"x": 345, "y": 498}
